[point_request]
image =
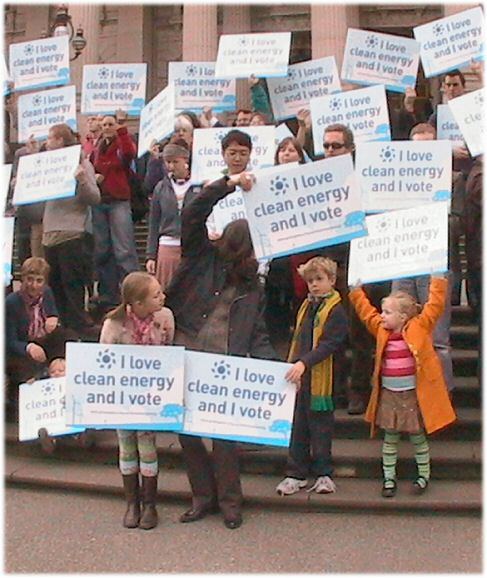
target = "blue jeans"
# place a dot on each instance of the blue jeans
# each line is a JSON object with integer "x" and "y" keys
{"x": 418, "y": 287}
{"x": 115, "y": 252}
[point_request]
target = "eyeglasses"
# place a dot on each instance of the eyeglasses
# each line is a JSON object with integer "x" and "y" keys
{"x": 333, "y": 145}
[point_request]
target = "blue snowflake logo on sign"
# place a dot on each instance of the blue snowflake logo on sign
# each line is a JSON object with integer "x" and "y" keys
{"x": 29, "y": 50}
{"x": 243, "y": 42}
{"x": 371, "y": 41}
{"x": 479, "y": 99}
{"x": 292, "y": 74}
{"x": 279, "y": 185}
{"x": 384, "y": 225}
{"x": 221, "y": 369}
{"x": 387, "y": 154}
{"x": 103, "y": 73}
{"x": 191, "y": 70}
{"x": 438, "y": 29}
{"x": 105, "y": 359}
{"x": 218, "y": 138}
{"x": 37, "y": 100}
{"x": 335, "y": 104}
{"x": 47, "y": 389}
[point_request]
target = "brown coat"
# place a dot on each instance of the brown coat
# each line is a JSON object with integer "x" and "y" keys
{"x": 434, "y": 403}
{"x": 118, "y": 331}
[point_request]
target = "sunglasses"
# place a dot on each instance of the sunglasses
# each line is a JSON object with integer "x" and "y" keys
{"x": 333, "y": 145}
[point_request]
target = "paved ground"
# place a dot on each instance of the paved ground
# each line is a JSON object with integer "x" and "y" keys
{"x": 50, "y": 532}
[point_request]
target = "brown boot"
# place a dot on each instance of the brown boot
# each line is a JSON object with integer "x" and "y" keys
{"x": 131, "y": 487}
{"x": 149, "y": 517}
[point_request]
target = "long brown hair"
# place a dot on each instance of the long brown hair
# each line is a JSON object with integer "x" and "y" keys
{"x": 235, "y": 246}
{"x": 135, "y": 287}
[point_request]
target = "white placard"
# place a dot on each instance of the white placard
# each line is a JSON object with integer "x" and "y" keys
{"x": 263, "y": 55}
{"x": 8, "y": 248}
{"x": 238, "y": 398}
{"x": 207, "y": 160}
{"x": 446, "y": 125}
{"x": 364, "y": 111}
{"x": 400, "y": 244}
{"x": 42, "y": 405}
{"x": 40, "y": 63}
{"x": 124, "y": 386}
{"x": 468, "y": 111}
{"x": 38, "y": 111}
{"x": 451, "y": 42}
{"x": 297, "y": 208}
{"x": 403, "y": 174}
{"x": 109, "y": 87}
{"x": 195, "y": 87}
{"x": 156, "y": 119}
{"x": 47, "y": 175}
{"x": 374, "y": 58}
{"x": 305, "y": 80}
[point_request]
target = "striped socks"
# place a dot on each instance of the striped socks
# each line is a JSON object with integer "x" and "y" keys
{"x": 421, "y": 454}
{"x": 389, "y": 454}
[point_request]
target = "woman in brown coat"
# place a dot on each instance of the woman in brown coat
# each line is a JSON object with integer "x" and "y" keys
{"x": 409, "y": 392}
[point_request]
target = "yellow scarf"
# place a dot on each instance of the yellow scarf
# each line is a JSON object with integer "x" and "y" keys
{"x": 321, "y": 373}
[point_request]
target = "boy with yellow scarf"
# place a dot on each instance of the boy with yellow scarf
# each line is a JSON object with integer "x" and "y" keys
{"x": 317, "y": 351}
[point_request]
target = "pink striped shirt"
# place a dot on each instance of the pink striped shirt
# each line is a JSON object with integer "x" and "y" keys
{"x": 398, "y": 365}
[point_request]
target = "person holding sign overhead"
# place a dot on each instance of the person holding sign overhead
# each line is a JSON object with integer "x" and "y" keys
{"x": 218, "y": 304}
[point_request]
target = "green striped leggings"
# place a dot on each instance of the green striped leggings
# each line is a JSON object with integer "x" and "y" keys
{"x": 135, "y": 447}
{"x": 389, "y": 453}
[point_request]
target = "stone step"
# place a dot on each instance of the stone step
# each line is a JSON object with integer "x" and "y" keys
{"x": 352, "y": 458}
{"x": 462, "y": 315}
{"x": 464, "y": 336}
{"x": 467, "y": 392}
{"x": 354, "y": 495}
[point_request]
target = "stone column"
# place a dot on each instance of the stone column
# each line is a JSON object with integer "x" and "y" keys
{"x": 200, "y": 35}
{"x": 87, "y": 16}
{"x": 236, "y": 20}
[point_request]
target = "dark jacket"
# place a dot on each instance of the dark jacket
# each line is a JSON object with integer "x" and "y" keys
{"x": 165, "y": 217}
{"x": 200, "y": 278}
{"x": 473, "y": 215}
{"x": 17, "y": 320}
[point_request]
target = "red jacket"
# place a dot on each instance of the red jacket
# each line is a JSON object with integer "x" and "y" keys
{"x": 113, "y": 165}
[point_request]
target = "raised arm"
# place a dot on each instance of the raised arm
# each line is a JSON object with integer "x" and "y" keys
{"x": 365, "y": 310}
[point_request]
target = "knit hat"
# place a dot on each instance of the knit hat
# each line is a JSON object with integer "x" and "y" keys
{"x": 174, "y": 150}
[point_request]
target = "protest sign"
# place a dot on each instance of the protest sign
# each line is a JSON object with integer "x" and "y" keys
{"x": 40, "y": 63}
{"x": 124, "y": 386}
{"x": 364, "y": 111}
{"x": 403, "y": 174}
{"x": 47, "y": 175}
{"x": 156, "y": 119}
{"x": 195, "y": 87}
{"x": 374, "y": 58}
{"x": 305, "y": 80}
{"x": 296, "y": 208}
{"x": 237, "y": 398}
{"x": 229, "y": 209}
{"x": 8, "y": 247}
{"x": 451, "y": 42}
{"x": 38, "y": 111}
{"x": 446, "y": 125}
{"x": 207, "y": 161}
{"x": 468, "y": 111}
{"x": 6, "y": 176}
{"x": 400, "y": 244}
{"x": 263, "y": 55}
{"x": 42, "y": 405}
{"x": 109, "y": 87}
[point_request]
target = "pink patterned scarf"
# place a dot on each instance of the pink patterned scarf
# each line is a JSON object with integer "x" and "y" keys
{"x": 37, "y": 317}
{"x": 142, "y": 329}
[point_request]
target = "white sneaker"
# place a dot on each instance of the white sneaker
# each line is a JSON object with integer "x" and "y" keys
{"x": 290, "y": 486}
{"x": 323, "y": 485}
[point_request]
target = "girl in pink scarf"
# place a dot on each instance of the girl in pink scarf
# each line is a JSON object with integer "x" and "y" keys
{"x": 140, "y": 319}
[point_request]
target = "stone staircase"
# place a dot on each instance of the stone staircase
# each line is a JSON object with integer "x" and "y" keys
{"x": 456, "y": 457}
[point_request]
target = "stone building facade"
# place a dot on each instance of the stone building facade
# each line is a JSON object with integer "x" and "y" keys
{"x": 158, "y": 34}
